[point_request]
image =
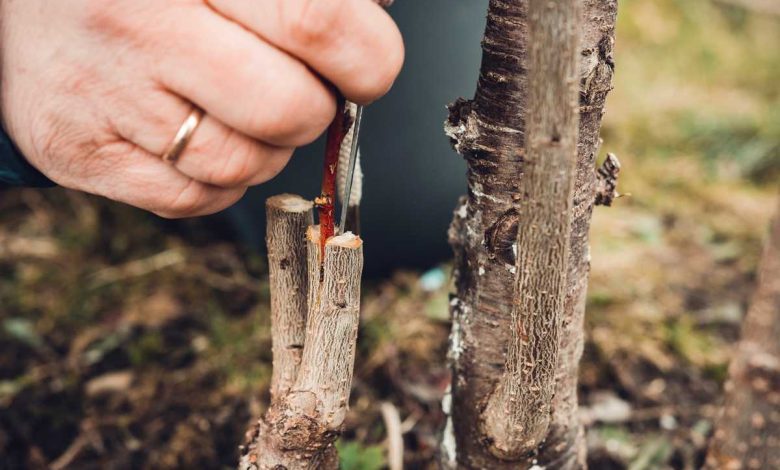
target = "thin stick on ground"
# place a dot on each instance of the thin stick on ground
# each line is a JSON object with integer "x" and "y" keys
{"x": 395, "y": 436}
{"x": 747, "y": 435}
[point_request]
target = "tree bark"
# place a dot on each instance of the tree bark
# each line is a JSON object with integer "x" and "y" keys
{"x": 288, "y": 216}
{"x": 300, "y": 428}
{"x": 747, "y": 435}
{"x": 490, "y": 131}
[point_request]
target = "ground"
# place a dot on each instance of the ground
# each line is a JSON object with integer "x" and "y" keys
{"x": 126, "y": 342}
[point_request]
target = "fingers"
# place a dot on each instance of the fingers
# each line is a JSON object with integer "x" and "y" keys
{"x": 131, "y": 175}
{"x": 243, "y": 82}
{"x": 216, "y": 154}
{"x": 352, "y": 43}
{"x": 224, "y": 157}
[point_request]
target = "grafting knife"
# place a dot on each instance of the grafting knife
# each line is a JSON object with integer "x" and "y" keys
{"x": 351, "y": 168}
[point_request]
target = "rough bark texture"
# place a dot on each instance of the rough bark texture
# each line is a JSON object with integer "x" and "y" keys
{"x": 288, "y": 216}
{"x": 747, "y": 435}
{"x": 608, "y": 174}
{"x": 300, "y": 428}
{"x": 489, "y": 132}
{"x": 321, "y": 392}
{"x": 517, "y": 415}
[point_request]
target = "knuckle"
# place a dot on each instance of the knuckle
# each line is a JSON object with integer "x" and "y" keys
{"x": 187, "y": 202}
{"x": 230, "y": 156}
{"x": 98, "y": 18}
{"x": 302, "y": 115}
{"x": 237, "y": 164}
{"x": 311, "y": 22}
{"x": 376, "y": 81}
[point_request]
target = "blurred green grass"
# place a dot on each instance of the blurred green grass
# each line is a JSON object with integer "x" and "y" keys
{"x": 695, "y": 120}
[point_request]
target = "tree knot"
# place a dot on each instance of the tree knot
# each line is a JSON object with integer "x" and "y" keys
{"x": 501, "y": 237}
{"x": 462, "y": 126}
{"x": 607, "y": 179}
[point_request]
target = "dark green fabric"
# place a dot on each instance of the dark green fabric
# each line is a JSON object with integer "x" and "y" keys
{"x": 14, "y": 168}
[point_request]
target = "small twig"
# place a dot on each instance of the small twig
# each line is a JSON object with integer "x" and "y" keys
{"x": 137, "y": 268}
{"x": 395, "y": 439}
{"x": 71, "y": 453}
{"x": 14, "y": 247}
{"x": 410, "y": 422}
{"x": 88, "y": 437}
{"x": 326, "y": 202}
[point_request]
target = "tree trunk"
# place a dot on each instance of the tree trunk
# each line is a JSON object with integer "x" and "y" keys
{"x": 747, "y": 435}
{"x": 517, "y": 415}
{"x": 515, "y": 355}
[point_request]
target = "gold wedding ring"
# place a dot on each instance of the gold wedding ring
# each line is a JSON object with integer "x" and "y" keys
{"x": 183, "y": 137}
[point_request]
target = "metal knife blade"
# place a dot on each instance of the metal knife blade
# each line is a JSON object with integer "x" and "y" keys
{"x": 351, "y": 168}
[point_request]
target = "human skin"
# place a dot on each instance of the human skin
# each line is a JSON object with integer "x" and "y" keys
{"x": 93, "y": 91}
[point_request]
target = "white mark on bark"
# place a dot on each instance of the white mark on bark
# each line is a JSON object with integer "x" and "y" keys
{"x": 477, "y": 191}
{"x": 462, "y": 211}
{"x": 456, "y": 342}
{"x": 448, "y": 444}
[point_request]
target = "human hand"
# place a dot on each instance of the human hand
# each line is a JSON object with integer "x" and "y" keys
{"x": 94, "y": 91}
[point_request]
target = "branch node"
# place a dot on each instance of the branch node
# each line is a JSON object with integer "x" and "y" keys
{"x": 607, "y": 180}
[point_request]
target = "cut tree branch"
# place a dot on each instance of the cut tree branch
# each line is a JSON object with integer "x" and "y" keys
{"x": 321, "y": 392}
{"x": 288, "y": 216}
{"x": 300, "y": 428}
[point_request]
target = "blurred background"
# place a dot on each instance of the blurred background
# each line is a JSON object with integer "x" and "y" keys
{"x": 127, "y": 341}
